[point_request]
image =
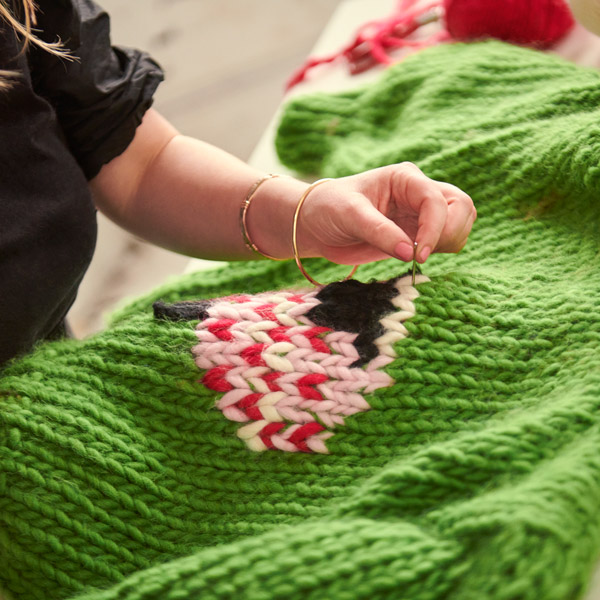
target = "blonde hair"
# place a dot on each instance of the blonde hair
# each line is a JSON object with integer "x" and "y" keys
{"x": 25, "y": 32}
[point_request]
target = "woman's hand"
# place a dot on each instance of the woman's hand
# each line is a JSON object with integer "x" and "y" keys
{"x": 381, "y": 213}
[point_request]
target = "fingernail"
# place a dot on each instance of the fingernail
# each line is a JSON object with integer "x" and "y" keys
{"x": 424, "y": 254}
{"x": 404, "y": 251}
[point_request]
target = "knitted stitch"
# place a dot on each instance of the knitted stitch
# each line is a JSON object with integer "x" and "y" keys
{"x": 475, "y": 476}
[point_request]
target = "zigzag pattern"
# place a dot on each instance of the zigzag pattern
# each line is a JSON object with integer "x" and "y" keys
{"x": 290, "y": 380}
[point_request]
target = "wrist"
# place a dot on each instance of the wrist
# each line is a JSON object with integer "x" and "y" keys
{"x": 270, "y": 219}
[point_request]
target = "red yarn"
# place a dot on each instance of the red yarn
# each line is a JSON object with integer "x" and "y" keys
{"x": 531, "y": 22}
{"x": 538, "y": 23}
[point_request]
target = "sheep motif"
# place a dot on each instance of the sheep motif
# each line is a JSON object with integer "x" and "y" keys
{"x": 292, "y": 365}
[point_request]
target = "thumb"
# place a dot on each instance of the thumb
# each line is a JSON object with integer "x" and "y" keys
{"x": 375, "y": 229}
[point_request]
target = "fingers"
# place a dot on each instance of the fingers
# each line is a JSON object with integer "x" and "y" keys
{"x": 459, "y": 221}
{"x": 432, "y": 220}
{"x": 382, "y": 212}
{"x": 370, "y": 225}
{"x": 445, "y": 213}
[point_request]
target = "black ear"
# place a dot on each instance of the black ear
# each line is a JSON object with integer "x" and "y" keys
{"x": 182, "y": 311}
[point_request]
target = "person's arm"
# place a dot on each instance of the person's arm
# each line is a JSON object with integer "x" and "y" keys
{"x": 185, "y": 195}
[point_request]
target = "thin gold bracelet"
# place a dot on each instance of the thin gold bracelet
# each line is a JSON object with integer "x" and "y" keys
{"x": 295, "y": 232}
{"x": 244, "y": 213}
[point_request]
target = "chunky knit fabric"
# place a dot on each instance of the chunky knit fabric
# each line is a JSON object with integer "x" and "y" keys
{"x": 476, "y": 475}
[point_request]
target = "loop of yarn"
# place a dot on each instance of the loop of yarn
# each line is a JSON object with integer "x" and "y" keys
{"x": 538, "y": 23}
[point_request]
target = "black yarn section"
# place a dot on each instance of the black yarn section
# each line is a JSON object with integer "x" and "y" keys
{"x": 356, "y": 307}
{"x": 189, "y": 310}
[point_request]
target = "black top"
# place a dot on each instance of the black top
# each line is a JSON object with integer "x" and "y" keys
{"x": 58, "y": 125}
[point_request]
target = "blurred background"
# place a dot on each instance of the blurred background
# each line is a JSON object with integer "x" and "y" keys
{"x": 226, "y": 62}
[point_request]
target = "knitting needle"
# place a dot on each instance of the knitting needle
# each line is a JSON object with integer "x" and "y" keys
{"x": 414, "y": 266}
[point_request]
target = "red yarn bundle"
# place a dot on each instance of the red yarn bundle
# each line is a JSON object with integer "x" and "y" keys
{"x": 538, "y": 23}
{"x": 528, "y": 22}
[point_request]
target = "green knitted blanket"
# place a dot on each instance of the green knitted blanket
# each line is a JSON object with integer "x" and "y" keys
{"x": 475, "y": 471}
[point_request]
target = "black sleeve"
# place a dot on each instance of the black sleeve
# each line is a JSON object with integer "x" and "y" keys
{"x": 102, "y": 95}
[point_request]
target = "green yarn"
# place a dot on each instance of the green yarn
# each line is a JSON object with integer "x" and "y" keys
{"x": 476, "y": 476}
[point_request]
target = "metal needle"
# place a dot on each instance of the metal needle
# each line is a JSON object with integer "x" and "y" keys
{"x": 414, "y": 265}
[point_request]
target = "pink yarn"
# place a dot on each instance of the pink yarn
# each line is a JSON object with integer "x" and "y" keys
{"x": 538, "y": 23}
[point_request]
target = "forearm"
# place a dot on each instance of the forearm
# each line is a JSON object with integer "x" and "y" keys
{"x": 190, "y": 201}
{"x": 187, "y": 197}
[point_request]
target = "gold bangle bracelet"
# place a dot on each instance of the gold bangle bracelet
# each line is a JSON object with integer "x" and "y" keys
{"x": 244, "y": 215}
{"x": 295, "y": 233}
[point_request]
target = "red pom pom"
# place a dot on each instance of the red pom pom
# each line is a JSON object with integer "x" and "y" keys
{"x": 529, "y": 22}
